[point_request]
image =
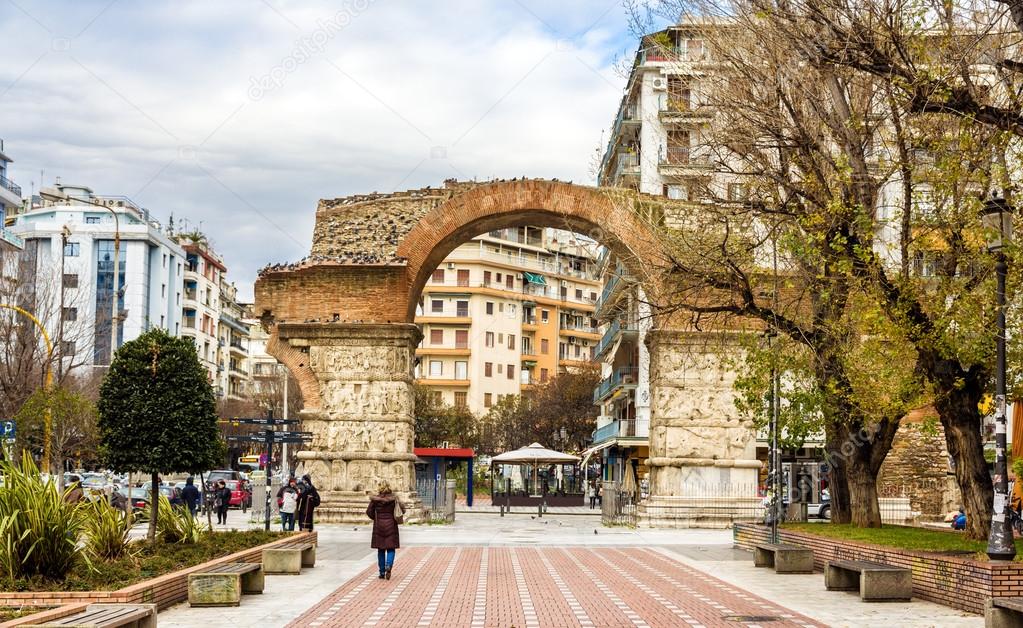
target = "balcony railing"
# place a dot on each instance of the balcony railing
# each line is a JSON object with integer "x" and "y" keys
{"x": 529, "y": 351}
{"x": 10, "y": 186}
{"x": 609, "y": 288}
{"x": 585, "y": 327}
{"x": 614, "y": 329}
{"x": 681, "y": 156}
{"x": 462, "y": 312}
{"x": 628, "y": 428}
{"x": 9, "y": 237}
{"x": 190, "y": 294}
{"x": 623, "y": 376}
{"x": 528, "y": 320}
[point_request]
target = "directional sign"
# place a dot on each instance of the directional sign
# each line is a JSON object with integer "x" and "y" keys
{"x": 264, "y": 421}
{"x": 292, "y": 440}
{"x": 278, "y": 435}
{"x": 7, "y": 429}
{"x": 249, "y": 438}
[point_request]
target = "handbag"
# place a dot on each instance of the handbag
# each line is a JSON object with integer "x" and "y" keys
{"x": 399, "y": 513}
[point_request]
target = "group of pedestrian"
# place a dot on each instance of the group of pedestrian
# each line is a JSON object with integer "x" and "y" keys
{"x": 593, "y": 492}
{"x": 297, "y": 500}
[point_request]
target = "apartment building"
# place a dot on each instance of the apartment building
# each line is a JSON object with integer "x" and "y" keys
{"x": 505, "y": 311}
{"x": 234, "y": 380}
{"x": 10, "y": 201}
{"x": 69, "y": 234}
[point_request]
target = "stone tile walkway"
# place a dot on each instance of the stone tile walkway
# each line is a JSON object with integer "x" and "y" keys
{"x": 543, "y": 586}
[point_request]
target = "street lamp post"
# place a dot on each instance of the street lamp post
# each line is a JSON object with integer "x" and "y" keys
{"x": 996, "y": 217}
{"x": 57, "y": 194}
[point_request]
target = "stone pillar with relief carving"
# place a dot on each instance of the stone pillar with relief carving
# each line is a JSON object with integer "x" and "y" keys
{"x": 363, "y": 425}
{"x": 703, "y": 464}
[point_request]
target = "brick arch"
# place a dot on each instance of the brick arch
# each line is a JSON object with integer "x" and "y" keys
{"x": 607, "y": 216}
{"x": 298, "y": 363}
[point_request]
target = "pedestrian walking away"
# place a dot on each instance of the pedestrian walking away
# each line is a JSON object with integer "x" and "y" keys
{"x": 223, "y": 501}
{"x": 287, "y": 503}
{"x": 308, "y": 500}
{"x": 190, "y": 495}
{"x": 386, "y": 512}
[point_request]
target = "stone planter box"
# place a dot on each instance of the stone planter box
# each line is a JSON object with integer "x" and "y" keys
{"x": 163, "y": 591}
{"x": 957, "y": 581}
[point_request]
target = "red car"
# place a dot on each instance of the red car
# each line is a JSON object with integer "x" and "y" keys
{"x": 240, "y": 497}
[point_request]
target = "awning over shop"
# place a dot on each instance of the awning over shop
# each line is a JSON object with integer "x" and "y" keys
{"x": 534, "y": 278}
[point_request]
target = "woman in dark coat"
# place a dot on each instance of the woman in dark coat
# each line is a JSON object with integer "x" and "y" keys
{"x": 308, "y": 500}
{"x": 385, "y": 528}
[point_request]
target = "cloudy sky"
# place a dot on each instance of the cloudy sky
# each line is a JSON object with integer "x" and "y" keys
{"x": 238, "y": 115}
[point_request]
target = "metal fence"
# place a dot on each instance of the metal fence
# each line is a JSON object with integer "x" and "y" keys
{"x": 438, "y": 498}
{"x": 617, "y": 507}
{"x": 707, "y": 504}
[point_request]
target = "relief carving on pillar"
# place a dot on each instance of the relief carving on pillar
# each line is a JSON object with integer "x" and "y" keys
{"x": 387, "y": 400}
{"x": 361, "y": 361}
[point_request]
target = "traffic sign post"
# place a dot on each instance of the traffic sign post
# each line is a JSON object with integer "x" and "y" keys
{"x": 268, "y": 438}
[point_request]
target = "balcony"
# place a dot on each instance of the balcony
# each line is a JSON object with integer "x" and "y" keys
{"x": 528, "y": 320}
{"x": 682, "y": 107}
{"x": 610, "y": 291}
{"x": 622, "y": 377}
{"x": 613, "y": 331}
{"x": 630, "y": 428}
{"x": 627, "y": 166}
{"x": 190, "y": 294}
{"x": 441, "y": 381}
{"x": 682, "y": 161}
{"x": 584, "y": 328}
{"x": 8, "y": 236}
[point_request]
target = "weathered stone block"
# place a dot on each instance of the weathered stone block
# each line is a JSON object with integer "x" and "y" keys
{"x": 282, "y": 561}
{"x": 214, "y": 589}
{"x": 886, "y": 586}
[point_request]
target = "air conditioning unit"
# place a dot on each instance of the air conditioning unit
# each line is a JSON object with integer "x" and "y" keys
{"x": 660, "y": 83}
{"x": 451, "y": 265}
{"x": 564, "y": 283}
{"x": 571, "y": 340}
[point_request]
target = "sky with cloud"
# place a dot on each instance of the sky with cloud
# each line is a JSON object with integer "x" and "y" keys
{"x": 236, "y": 116}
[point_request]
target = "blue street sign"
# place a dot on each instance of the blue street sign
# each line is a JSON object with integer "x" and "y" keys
{"x": 7, "y": 429}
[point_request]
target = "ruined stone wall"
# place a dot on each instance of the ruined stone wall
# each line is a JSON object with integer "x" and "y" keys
{"x": 917, "y": 466}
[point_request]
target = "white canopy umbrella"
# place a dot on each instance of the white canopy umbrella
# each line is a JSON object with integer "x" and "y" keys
{"x": 535, "y": 454}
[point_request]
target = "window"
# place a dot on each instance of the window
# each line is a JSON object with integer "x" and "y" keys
{"x": 461, "y": 338}
{"x": 436, "y": 368}
{"x": 72, "y": 249}
{"x": 488, "y": 400}
{"x": 70, "y": 313}
{"x": 486, "y": 278}
{"x": 460, "y": 400}
{"x": 436, "y": 306}
{"x": 490, "y": 308}
{"x": 511, "y": 341}
{"x": 578, "y": 293}
{"x": 510, "y": 371}
{"x": 463, "y": 277}
{"x": 163, "y": 291}
{"x": 500, "y": 338}
{"x": 498, "y": 277}
{"x": 545, "y": 315}
{"x": 488, "y": 369}
{"x": 438, "y": 276}
{"x": 436, "y": 336}
{"x": 67, "y": 347}
{"x": 500, "y": 307}
{"x": 461, "y": 308}
{"x": 564, "y": 292}
{"x": 92, "y": 220}
{"x": 593, "y": 297}
{"x": 545, "y": 346}
{"x": 489, "y": 339}
{"x": 70, "y": 280}
{"x": 165, "y": 260}
{"x": 461, "y": 370}
{"x": 509, "y": 281}
{"x": 500, "y": 369}
{"x": 543, "y": 375}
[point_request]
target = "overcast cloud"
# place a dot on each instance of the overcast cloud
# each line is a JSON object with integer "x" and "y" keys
{"x": 238, "y": 115}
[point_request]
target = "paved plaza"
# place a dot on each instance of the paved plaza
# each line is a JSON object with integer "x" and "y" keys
{"x": 522, "y": 571}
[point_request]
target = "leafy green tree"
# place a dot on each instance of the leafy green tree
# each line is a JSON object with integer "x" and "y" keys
{"x": 72, "y": 421}
{"x": 157, "y": 412}
{"x": 437, "y": 423}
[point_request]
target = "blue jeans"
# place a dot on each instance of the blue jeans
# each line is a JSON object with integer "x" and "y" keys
{"x": 288, "y": 521}
{"x": 385, "y": 558}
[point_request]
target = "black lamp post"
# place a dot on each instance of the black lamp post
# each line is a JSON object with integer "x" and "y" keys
{"x": 996, "y": 218}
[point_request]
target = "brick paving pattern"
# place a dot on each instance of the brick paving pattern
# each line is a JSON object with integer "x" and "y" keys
{"x": 543, "y": 586}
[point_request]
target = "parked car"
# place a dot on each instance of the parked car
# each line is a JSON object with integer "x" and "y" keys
{"x": 241, "y": 497}
{"x": 222, "y": 474}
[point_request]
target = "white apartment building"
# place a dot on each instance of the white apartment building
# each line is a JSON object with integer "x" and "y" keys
{"x": 70, "y": 244}
{"x": 10, "y": 200}
{"x": 234, "y": 344}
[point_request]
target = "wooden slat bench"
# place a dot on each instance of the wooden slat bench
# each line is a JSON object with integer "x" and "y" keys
{"x": 289, "y": 558}
{"x": 224, "y": 585}
{"x": 784, "y": 558}
{"x": 876, "y": 582}
{"x": 1003, "y": 612}
{"x": 107, "y": 616}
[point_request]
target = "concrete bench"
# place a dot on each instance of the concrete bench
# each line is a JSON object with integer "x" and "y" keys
{"x": 876, "y": 582}
{"x": 784, "y": 558}
{"x": 107, "y": 616}
{"x": 1003, "y": 612}
{"x": 289, "y": 558}
{"x": 224, "y": 585}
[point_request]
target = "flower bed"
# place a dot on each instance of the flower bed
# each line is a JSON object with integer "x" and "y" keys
{"x": 163, "y": 590}
{"x": 951, "y": 580}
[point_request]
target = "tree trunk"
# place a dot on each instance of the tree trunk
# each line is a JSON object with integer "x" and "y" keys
{"x": 154, "y": 506}
{"x": 866, "y": 512}
{"x": 838, "y": 477}
{"x": 957, "y": 408}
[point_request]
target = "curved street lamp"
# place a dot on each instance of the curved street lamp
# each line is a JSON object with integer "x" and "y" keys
{"x": 48, "y": 416}
{"x": 996, "y": 218}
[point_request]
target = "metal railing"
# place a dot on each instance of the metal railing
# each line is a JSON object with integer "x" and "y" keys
{"x": 9, "y": 237}
{"x": 624, "y": 375}
{"x": 618, "y": 507}
{"x": 528, "y": 320}
{"x": 462, "y": 312}
{"x": 681, "y": 156}
{"x": 438, "y": 498}
{"x": 10, "y": 186}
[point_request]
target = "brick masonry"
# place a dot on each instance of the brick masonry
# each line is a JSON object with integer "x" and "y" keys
{"x": 163, "y": 591}
{"x": 957, "y": 581}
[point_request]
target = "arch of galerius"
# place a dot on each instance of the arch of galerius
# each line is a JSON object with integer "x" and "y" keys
{"x": 342, "y": 320}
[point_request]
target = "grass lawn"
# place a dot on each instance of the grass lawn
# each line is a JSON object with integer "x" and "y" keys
{"x": 8, "y": 613}
{"x": 904, "y": 537}
{"x": 150, "y": 561}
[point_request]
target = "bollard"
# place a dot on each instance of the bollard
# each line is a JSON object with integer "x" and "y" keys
{"x": 502, "y": 510}
{"x": 539, "y": 509}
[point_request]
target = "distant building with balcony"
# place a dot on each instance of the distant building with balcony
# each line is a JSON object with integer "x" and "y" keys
{"x": 234, "y": 345}
{"x": 505, "y": 311}
{"x": 11, "y": 245}
{"x": 69, "y": 249}
{"x": 200, "y": 304}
